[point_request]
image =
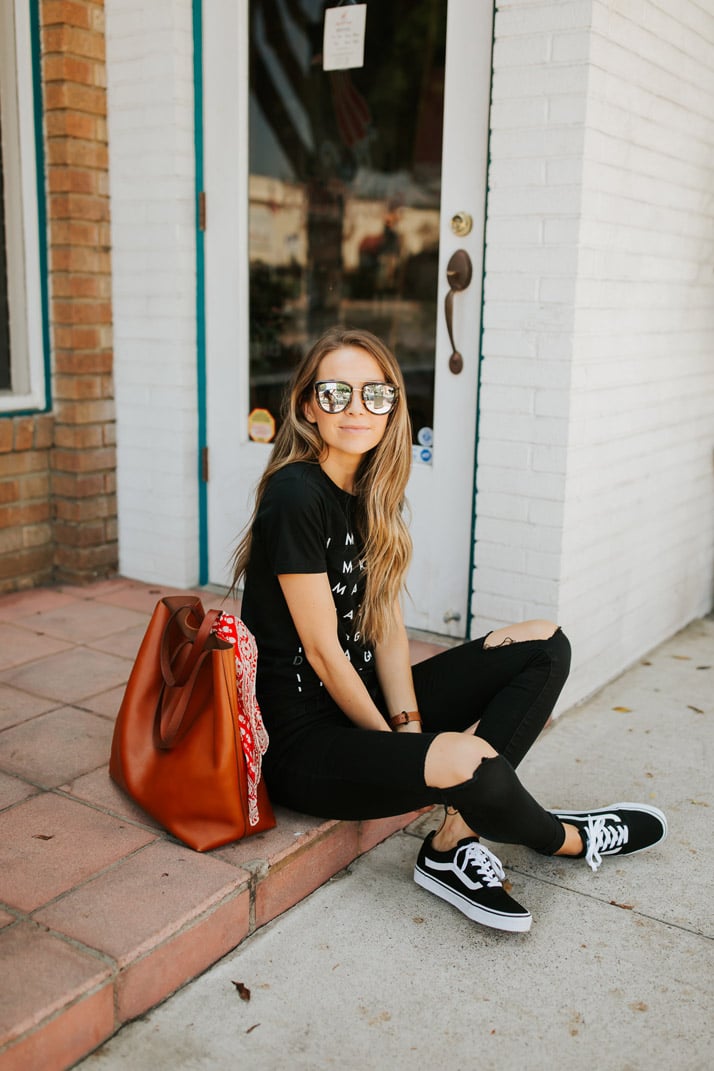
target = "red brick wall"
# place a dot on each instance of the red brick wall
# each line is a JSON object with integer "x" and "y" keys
{"x": 69, "y": 458}
{"x": 26, "y": 539}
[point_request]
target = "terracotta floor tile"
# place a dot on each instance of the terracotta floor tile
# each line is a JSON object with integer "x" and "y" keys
{"x": 56, "y": 747}
{"x": 220, "y": 600}
{"x": 263, "y": 849}
{"x": 419, "y": 650}
{"x": 150, "y": 979}
{"x": 304, "y": 871}
{"x": 49, "y": 843}
{"x": 71, "y": 675}
{"x": 140, "y": 903}
{"x": 46, "y": 973}
{"x": 141, "y": 597}
{"x": 96, "y": 589}
{"x": 83, "y": 620}
{"x": 17, "y": 706}
{"x": 125, "y": 643}
{"x": 37, "y": 600}
{"x": 19, "y": 645}
{"x": 105, "y": 703}
{"x": 62, "y": 1040}
{"x": 98, "y": 788}
{"x": 12, "y": 790}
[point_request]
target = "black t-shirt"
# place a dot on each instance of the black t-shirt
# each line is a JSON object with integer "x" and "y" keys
{"x": 305, "y": 524}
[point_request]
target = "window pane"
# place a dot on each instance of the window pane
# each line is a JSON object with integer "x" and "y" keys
{"x": 345, "y": 190}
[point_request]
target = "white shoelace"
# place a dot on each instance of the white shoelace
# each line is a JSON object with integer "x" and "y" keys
{"x": 487, "y": 864}
{"x": 602, "y": 838}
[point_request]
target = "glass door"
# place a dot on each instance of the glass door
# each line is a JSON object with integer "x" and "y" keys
{"x": 338, "y": 191}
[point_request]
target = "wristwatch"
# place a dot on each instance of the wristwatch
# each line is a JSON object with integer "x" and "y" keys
{"x": 404, "y": 717}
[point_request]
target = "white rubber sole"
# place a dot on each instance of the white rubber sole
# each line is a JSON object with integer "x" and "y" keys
{"x": 497, "y": 920}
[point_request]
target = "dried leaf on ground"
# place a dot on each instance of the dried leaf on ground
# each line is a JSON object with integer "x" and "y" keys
{"x": 625, "y": 907}
{"x": 42, "y": 836}
{"x": 243, "y": 991}
{"x": 682, "y": 657}
{"x": 639, "y": 1005}
{"x": 697, "y": 710}
{"x": 623, "y": 710}
{"x": 250, "y": 1028}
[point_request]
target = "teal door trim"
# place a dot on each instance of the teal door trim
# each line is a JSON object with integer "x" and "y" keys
{"x": 201, "y": 472}
{"x": 474, "y": 511}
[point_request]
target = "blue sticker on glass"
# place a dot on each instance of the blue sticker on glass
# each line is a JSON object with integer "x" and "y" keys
{"x": 425, "y": 436}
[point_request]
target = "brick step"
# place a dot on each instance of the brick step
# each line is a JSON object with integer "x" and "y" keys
{"x": 102, "y": 914}
{"x": 114, "y": 947}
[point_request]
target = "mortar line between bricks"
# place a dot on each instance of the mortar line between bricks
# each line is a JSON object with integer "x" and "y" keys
{"x": 101, "y": 809}
{"x": 186, "y": 927}
{"x": 44, "y": 1023}
{"x": 92, "y": 877}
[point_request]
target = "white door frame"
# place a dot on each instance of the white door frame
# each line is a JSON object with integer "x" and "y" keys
{"x": 441, "y": 591}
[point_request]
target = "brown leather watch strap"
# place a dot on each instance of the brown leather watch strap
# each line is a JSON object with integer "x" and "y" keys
{"x": 404, "y": 717}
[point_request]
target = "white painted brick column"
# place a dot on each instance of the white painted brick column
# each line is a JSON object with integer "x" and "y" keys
{"x": 638, "y": 536}
{"x": 535, "y": 191}
{"x": 595, "y": 501}
{"x": 151, "y": 132}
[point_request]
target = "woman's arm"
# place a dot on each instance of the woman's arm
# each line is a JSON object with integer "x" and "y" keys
{"x": 394, "y": 672}
{"x": 312, "y": 609}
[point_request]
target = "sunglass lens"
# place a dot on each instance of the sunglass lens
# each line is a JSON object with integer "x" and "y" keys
{"x": 379, "y": 397}
{"x": 333, "y": 397}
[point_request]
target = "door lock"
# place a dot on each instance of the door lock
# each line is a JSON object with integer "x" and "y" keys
{"x": 461, "y": 224}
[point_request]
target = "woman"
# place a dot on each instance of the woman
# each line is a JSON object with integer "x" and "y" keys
{"x": 355, "y": 731}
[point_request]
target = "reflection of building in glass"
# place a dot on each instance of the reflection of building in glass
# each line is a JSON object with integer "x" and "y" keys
{"x": 278, "y": 236}
{"x": 381, "y": 275}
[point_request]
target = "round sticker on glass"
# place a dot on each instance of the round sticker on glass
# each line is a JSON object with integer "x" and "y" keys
{"x": 422, "y": 455}
{"x": 261, "y": 426}
{"x": 425, "y": 436}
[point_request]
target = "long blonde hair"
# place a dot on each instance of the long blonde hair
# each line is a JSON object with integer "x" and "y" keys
{"x": 379, "y": 486}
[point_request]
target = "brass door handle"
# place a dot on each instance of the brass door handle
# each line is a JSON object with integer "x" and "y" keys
{"x": 458, "y": 276}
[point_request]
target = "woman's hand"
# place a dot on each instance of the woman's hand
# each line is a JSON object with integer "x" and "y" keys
{"x": 394, "y": 672}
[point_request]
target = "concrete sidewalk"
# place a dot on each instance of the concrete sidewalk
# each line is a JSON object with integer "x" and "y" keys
{"x": 373, "y": 973}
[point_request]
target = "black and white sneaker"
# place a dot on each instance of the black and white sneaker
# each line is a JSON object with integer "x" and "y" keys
{"x": 621, "y": 829}
{"x": 469, "y": 877}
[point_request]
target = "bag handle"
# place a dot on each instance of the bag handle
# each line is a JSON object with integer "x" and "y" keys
{"x": 176, "y": 672}
{"x": 181, "y": 673}
{"x": 171, "y": 725}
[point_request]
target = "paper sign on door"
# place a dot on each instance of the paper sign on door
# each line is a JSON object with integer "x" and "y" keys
{"x": 343, "y": 40}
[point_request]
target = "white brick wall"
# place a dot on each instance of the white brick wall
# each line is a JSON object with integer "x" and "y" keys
{"x": 150, "y": 106}
{"x": 595, "y": 484}
{"x": 638, "y": 538}
{"x": 537, "y": 138}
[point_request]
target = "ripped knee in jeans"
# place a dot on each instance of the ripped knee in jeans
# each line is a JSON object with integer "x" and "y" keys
{"x": 526, "y": 630}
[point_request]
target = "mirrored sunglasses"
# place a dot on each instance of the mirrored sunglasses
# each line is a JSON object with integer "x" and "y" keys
{"x": 377, "y": 398}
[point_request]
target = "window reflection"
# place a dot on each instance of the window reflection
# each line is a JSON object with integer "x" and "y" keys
{"x": 345, "y": 186}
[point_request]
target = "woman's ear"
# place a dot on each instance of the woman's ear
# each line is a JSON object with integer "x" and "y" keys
{"x": 308, "y": 411}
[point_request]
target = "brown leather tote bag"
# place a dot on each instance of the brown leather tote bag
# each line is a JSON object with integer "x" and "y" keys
{"x": 176, "y": 749}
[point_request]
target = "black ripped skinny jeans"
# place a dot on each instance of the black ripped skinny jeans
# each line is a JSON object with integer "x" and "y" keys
{"x": 320, "y": 763}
